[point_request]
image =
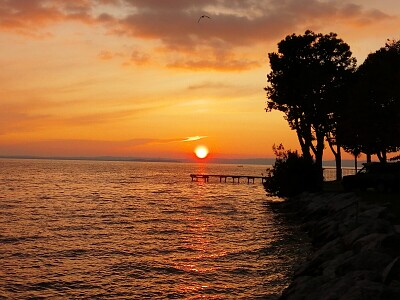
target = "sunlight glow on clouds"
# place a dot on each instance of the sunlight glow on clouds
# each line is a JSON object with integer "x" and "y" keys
{"x": 233, "y": 24}
{"x": 194, "y": 138}
{"x": 116, "y": 71}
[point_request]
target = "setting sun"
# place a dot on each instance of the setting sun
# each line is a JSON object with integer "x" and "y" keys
{"x": 201, "y": 152}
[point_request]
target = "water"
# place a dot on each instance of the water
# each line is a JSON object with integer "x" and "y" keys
{"x": 127, "y": 230}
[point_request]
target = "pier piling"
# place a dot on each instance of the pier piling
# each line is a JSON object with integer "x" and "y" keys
{"x": 206, "y": 177}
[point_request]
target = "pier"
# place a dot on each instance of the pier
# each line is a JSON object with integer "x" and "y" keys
{"x": 235, "y": 178}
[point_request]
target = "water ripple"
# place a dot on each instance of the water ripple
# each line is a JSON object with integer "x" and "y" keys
{"x": 115, "y": 230}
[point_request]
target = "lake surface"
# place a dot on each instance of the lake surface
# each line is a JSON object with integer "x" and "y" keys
{"x": 129, "y": 230}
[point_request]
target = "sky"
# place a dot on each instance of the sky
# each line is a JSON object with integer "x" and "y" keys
{"x": 148, "y": 78}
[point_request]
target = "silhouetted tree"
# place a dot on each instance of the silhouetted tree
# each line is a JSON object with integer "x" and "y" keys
{"x": 337, "y": 119}
{"x": 291, "y": 174}
{"x": 373, "y": 115}
{"x": 304, "y": 83}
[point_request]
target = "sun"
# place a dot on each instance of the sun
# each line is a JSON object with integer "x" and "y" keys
{"x": 201, "y": 151}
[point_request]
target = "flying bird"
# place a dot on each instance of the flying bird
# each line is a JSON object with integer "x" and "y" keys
{"x": 203, "y": 16}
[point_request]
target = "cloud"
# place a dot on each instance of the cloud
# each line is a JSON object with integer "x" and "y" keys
{"x": 20, "y": 122}
{"x": 194, "y": 138}
{"x": 234, "y": 27}
{"x": 178, "y": 140}
{"x": 24, "y": 116}
{"x": 30, "y": 17}
{"x": 106, "y": 55}
{"x": 210, "y": 86}
{"x": 72, "y": 147}
{"x": 30, "y": 116}
{"x": 82, "y": 147}
{"x": 172, "y": 24}
{"x": 215, "y": 64}
{"x": 135, "y": 57}
{"x": 234, "y": 23}
{"x": 138, "y": 58}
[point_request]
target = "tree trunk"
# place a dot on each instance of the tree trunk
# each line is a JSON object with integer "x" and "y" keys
{"x": 318, "y": 159}
{"x": 369, "y": 158}
{"x": 355, "y": 162}
{"x": 382, "y": 156}
{"x": 338, "y": 159}
{"x": 305, "y": 149}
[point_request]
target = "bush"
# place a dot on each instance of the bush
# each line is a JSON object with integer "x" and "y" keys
{"x": 291, "y": 174}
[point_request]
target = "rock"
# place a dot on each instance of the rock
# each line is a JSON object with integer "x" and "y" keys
{"x": 391, "y": 244}
{"x": 337, "y": 288}
{"x": 363, "y": 290}
{"x": 343, "y": 202}
{"x": 369, "y": 242}
{"x": 397, "y": 228}
{"x": 314, "y": 266}
{"x": 392, "y": 271}
{"x": 364, "y": 229}
{"x": 356, "y": 250}
{"x": 323, "y": 233}
{"x": 333, "y": 268}
{"x": 369, "y": 260}
{"x": 304, "y": 288}
{"x": 375, "y": 213}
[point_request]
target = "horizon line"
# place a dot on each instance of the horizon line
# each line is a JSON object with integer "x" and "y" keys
{"x": 248, "y": 160}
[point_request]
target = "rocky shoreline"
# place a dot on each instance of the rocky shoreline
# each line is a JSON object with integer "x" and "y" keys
{"x": 355, "y": 249}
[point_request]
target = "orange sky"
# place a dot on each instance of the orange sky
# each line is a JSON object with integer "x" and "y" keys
{"x": 145, "y": 78}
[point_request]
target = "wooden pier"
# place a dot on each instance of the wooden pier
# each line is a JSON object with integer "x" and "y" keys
{"x": 206, "y": 177}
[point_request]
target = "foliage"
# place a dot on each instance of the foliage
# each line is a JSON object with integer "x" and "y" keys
{"x": 305, "y": 83}
{"x": 396, "y": 158}
{"x": 291, "y": 174}
{"x": 315, "y": 83}
{"x": 371, "y": 123}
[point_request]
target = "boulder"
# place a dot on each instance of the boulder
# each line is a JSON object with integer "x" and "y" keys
{"x": 366, "y": 228}
{"x": 356, "y": 250}
{"x": 392, "y": 271}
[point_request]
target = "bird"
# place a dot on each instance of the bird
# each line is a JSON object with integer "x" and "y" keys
{"x": 203, "y": 16}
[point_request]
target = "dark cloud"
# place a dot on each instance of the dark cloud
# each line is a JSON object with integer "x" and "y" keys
{"x": 169, "y": 5}
{"x": 234, "y": 24}
{"x": 31, "y": 17}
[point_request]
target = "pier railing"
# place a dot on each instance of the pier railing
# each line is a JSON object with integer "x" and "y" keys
{"x": 330, "y": 173}
{"x": 224, "y": 178}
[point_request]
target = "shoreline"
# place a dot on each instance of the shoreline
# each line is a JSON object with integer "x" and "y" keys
{"x": 355, "y": 248}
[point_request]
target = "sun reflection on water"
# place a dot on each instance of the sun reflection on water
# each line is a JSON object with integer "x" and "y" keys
{"x": 200, "y": 239}
{"x": 142, "y": 231}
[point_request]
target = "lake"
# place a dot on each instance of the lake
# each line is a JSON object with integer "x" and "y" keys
{"x": 133, "y": 230}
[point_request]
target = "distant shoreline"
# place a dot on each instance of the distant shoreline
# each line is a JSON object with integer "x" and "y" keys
{"x": 233, "y": 161}
{"x": 250, "y": 161}
{"x": 96, "y": 158}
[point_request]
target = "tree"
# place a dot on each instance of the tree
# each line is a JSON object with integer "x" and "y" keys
{"x": 373, "y": 118}
{"x": 291, "y": 174}
{"x": 305, "y": 81}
